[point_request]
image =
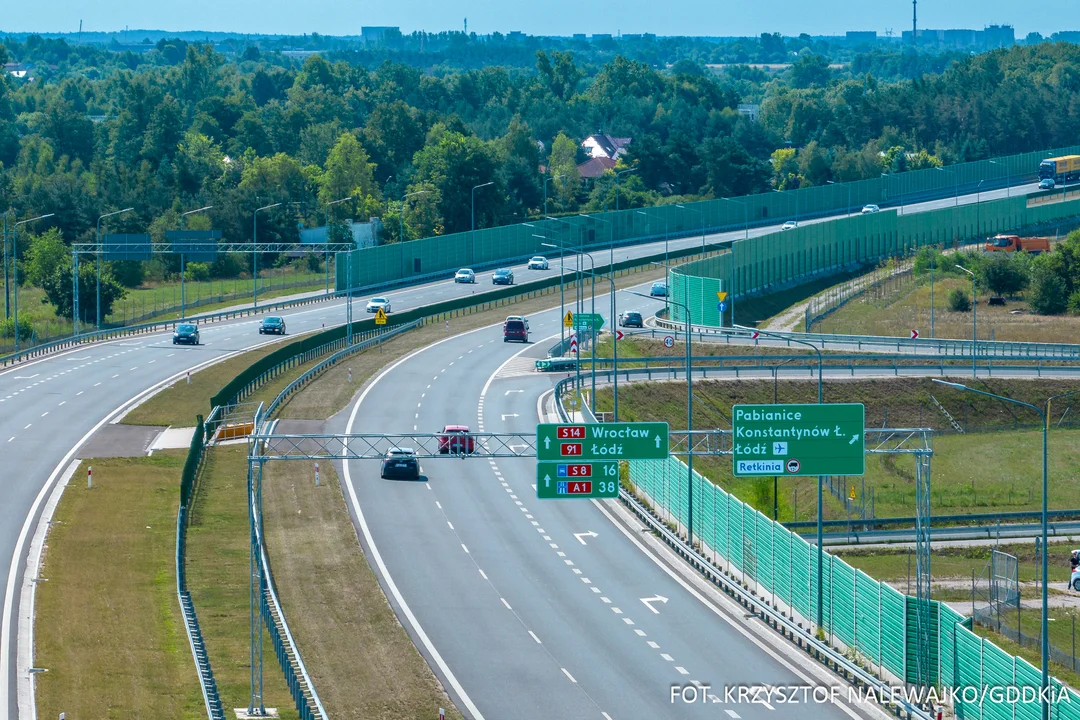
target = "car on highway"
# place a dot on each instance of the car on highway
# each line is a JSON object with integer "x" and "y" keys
{"x": 516, "y": 328}
{"x": 187, "y": 333}
{"x": 465, "y": 275}
{"x": 400, "y": 463}
{"x": 379, "y": 303}
{"x": 658, "y": 289}
{"x": 789, "y": 225}
{"x": 631, "y": 319}
{"x": 456, "y": 439}
{"x": 502, "y": 276}
{"x": 538, "y": 263}
{"x": 1047, "y": 184}
{"x": 272, "y": 326}
{"x": 870, "y": 209}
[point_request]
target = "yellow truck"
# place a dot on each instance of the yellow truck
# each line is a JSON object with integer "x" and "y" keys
{"x": 1015, "y": 243}
{"x": 1062, "y": 169}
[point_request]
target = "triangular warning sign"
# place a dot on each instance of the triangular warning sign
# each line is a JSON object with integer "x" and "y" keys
{"x": 380, "y": 317}
{"x": 568, "y": 321}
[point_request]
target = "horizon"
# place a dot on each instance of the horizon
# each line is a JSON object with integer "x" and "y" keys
{"x": 559, "y": 18}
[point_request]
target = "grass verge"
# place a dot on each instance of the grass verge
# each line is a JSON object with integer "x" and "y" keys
{"x": 362, "y": 661}
{"x": 109, "y": 628}
{"x": 217, "y": 576}
{"x": 956, "y": 563}
{"x": 973, "y": 472}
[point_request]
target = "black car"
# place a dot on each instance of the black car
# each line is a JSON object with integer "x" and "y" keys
{"x": 631, "y": 319}
{"x": 401, "y": 463}
{"x": 502, "y": 276}
{"x": 272, "y": 325}
{"x": 186, "y": 333}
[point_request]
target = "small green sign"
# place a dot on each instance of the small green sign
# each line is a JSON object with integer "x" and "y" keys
{"x": 596, "y": 479}
{"x": 602, "y": 441}
{"x": 587, "y": 321}
{"x": 799, "y": 440}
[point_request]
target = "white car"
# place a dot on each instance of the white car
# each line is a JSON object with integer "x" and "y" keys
{"x": 869, "y": 209}
{"x": 789, "y": 225}
{"x": 379, "y": 303}
{"x": 538, "y": 263}
{"x": 465, "y": 275}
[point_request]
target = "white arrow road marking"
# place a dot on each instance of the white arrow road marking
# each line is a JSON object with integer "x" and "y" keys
{"x": 513, "y": 391}
{"x": 581, "y": 536}
{"x": 656, "y": 598}
{"x": 25, "y": 377}
{"x": 509, "y": 415}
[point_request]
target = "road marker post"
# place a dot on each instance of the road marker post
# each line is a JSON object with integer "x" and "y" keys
{"x": 316, "y": 474}
{"x": 189, "y": 377}
{"x": 89, "y": 477}
{"x": 350, "y": 375}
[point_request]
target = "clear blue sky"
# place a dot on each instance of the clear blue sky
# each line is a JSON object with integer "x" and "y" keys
{"x": 551, "y": 17}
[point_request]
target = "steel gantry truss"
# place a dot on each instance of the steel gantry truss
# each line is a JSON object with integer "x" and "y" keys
{"x": 265, "y": 446}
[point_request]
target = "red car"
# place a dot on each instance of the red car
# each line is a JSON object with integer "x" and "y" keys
{"x": 456, "y": 439}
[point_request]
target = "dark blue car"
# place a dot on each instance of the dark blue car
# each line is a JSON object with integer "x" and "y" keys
{"x": 502, "y": 276}
{"x": 272, "y": 326}
{"x": 186, "y": 333}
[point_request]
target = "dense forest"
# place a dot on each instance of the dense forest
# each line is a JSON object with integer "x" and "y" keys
{"x": 184, "y": 126}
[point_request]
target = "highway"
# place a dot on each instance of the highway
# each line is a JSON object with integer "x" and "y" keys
{"x": 50, "y": 407}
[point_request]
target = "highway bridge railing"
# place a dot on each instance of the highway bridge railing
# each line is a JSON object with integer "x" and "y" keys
{"x": 188, "y": 479}
{"x": 738, "y": 547}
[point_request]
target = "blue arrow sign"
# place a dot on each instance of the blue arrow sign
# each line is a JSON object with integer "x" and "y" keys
{"x": 722, "y": 307}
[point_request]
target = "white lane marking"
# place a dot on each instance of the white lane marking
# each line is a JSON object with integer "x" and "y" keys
{"x": 506, "y": 604}
{"x": 115, "y": 376}
{"x": 606, "y": 601}
{"x": 62, "y": 402}
{"x": 667, "y": 657}
{"x": 606, "y": 716}
{"x": 640, "y": 633}
{"x": 567, "y": 674}
{"x": 450, "y": 524}
{"x": 438, "y": 504}
{"x": 44, "y": 413}
{"x": 587, "y": 581}
{"x": 483, "y": 574}
{"x": 732, "y": 714}
{"x": 134, "y": 368}
{"x": 628, "y": 621}
{"x": 170, "y": 354}
{"x": 535, "y": 638}
{"x": 561, "y": 554}
{"x": 684, "y": 671}
{"x": 616, "y": 610}
{"x": 25, "y": 377}
{"x": 11, "y": 438}
{"x": 465, "y": 548}
{"x": 28, "y": 426}
{"x": 78, "y": 393}
{"x": 654, "y": 645}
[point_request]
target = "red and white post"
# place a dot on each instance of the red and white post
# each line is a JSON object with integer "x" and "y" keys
{"x": 316, "y": 474}
{"x": 89, "y": 477}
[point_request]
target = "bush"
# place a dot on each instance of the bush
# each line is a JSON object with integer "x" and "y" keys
{"x": 1048, "y": 295}
{"x": 129, "y": 273}
{"x": 197, "y": 272}
{"x": 1074, "y": 303}
{"x": 7, "y": 327}
{"x": 958, "y": 301}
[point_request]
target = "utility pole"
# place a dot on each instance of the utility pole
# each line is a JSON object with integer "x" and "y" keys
{"x": 914, "y": 23}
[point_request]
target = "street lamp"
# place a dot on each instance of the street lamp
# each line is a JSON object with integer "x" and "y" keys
{"x": 900, "y": 194}
{"x": 472, "y": 227}
{"x": 617, "y": 176}
{"x": 1045, "y": 637}
{"x": 255, "y": 253}
{"x": 689, "y": 414}
{"x": 15, "y": 277}
{"x": 978, "y": 207}
{"x": 702, "y": 216}
{"x": 820, "y": 500}
{"x": 401, "y": 238}
{"x": 974, "y": 316}
{"x": 326, "y": 256}
{"x": 956, "y": 185}
{"x": 118, "y": 212}
{"x": 830, "y": 182}
{"x": 1008, "y": 178}
{"x": 182, "y": 290}
{"x": 546, "y": 181}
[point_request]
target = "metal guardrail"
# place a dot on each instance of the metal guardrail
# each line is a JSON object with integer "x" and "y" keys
{"x": 310, "y": 374}
{"x": 870, "y": 523}
{"x": 788, "y": 629}
{"x": 958, "y": 532}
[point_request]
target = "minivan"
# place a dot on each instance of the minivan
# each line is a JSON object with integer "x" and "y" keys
{"x": 516, "y": 328}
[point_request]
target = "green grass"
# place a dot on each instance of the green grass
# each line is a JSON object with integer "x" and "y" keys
{"x": 891, "y": 564}
{"x": 108, "y": 624}
{"x": 218, "y": 579}
{"x": 973, "y": 472}
{"x": 759, "y": 310}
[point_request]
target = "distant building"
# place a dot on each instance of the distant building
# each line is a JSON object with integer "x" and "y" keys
{"x": 749, "y": 110}
{"x": 631, "y": 36}
{"x": 580, "y": 36}
{"x": 959, "y": 38}
{"x": 595, "y": 167}
{"x": 998, "y": 36}
{"x": 993, "y": 36}
{"x": 515, "y": 35}
{"x": 1072, "y": 36}
{"x": 603, "y": 145}
{"x": 375, "y": 34}
{"x": 858, "y": 37}
{"x": 601, "y": 36}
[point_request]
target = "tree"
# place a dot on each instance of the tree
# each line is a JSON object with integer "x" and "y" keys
{"x": 958, "y": 301}
{"x": 1048, "y": 295}
{"x": 810, "y": 70}
{"x": 563, "y": 162}
{"x": 44, "y": 253}
{"x": 1004, "y": 275}
{"x": 455, "y": 163}
{"x": 58, "y": 289}
{"x": 69, "y": 131}
{"x": 348, "y": 172}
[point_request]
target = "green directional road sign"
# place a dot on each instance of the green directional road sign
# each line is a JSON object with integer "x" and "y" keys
{"x": 596, "y": 479}
{"x": 586, "y": 321}
{"x": 799, "y": 440}
{"x": 602, "y": 441}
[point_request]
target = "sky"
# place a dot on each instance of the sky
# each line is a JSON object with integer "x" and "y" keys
{"x": 551, "y": 17}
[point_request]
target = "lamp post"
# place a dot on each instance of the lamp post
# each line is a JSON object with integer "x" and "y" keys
{"x": 978, "y": 207}
{"x": 689, "y": 414}
{"x": 472, "y": 223}
{"x": 702, "y": 216}
{"x": 830, "y": 182}
{"x": 546, "y": 181}
{"x": 617, "y": 176}
{"x": 1045, "y": 637}
{"x": 820, "y": 503}
{"x": 974, "y": 316}
{"x": 15, "y": 277}
{"x": 255, "y": 253}
{"x": 118, "y": 212}
{"x": 956, "y": 185}
{"x": 1008, "y": 178}
{"x": 182, "y": 289}
{"x": 326, "y": 256}
{"x": 889, "y": 177}
{"x": 401, "y": 237}
{"x": 7, "y": 286}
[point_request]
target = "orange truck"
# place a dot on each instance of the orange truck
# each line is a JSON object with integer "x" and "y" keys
{"x": 1015, "y": 243}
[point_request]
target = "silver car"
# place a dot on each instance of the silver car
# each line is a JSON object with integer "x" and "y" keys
{"x": 465, "y": 275}
{"x": 869, "y": 209}
{"x": 379, "y": 303}
{"x": 538, "y": 263}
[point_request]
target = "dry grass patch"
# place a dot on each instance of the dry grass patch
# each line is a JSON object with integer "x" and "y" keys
{"x": 362, "y": 661}
{"x": 108, "y": 626}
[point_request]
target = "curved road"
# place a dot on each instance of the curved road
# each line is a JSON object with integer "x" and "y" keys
{"x": 50, "y": 407}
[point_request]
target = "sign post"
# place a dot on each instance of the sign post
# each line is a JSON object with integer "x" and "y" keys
{"x": 799, "y": 440}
